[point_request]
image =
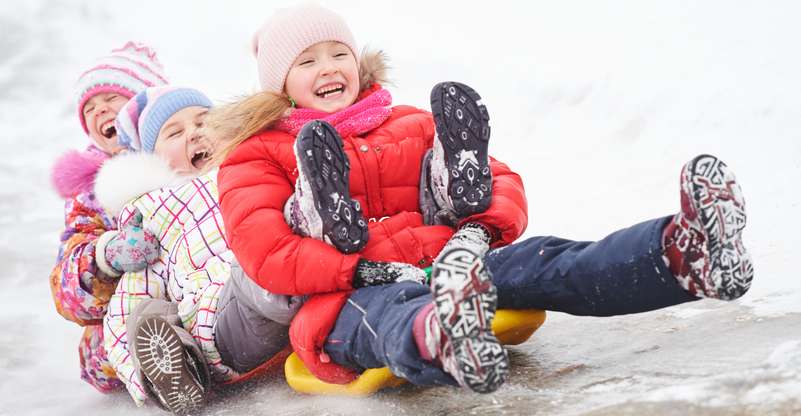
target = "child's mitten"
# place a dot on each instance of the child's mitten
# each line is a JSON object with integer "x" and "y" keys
{"x": 373, "y": 273}
{"x": 131, "y": 249}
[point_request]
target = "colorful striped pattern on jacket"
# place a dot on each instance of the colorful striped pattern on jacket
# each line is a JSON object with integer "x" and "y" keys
{"x": 78, "y": 292}
{"x": 191, "y": 271}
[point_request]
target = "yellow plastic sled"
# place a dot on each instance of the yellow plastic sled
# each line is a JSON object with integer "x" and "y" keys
{"x": 512, "y": 327}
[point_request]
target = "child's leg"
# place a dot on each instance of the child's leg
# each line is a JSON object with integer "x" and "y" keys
{"x": 456, "y": 180}
{"x": 622, "y": 273}
{"x": 423, "y": 338}
{"x": 374, "y": 329}
{"x": 658, "y": 263}
{"x": 252, "y": 325}
{"x": 95, "y": 366}
{"x": 321, "y": 207}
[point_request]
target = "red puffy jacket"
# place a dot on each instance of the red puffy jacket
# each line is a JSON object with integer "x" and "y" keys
{"x": 258, "y": 177}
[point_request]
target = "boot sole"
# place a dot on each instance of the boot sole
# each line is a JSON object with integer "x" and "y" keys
{"x": 161, "y": 356}
{"x": 465, "y": 301}
{"x": 718, "y": 205}
{"x": 463, "y": 131}
{"x": 324, "y": 163}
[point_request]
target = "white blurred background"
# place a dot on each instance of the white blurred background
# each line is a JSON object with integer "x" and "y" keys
{"x": 596, "y": 104}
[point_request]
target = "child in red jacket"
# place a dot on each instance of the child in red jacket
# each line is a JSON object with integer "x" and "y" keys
{"x": 368, "y": 195}
{"x": 327, "y": 189}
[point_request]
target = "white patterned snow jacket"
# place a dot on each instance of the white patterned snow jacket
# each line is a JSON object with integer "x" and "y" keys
{"x": 194, "y": 265}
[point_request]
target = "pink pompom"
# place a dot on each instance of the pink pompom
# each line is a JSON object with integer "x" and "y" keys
{"x": 74, "y": 172}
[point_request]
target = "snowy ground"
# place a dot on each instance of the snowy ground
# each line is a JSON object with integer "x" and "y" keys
{"x": 596, "y": 104}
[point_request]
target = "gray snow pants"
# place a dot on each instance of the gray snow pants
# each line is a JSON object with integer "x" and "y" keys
{"x": 252, "y": 323}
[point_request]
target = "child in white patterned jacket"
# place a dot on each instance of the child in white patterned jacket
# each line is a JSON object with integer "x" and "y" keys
{"x": 188, "y": 298}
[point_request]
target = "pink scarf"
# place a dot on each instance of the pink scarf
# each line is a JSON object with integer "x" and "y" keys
{"x": 361, "y": 117}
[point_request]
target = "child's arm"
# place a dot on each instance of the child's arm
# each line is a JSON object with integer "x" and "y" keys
{"x": 89, "y": 258}
{"x": 507, "y": 216}
{"x": 80, "y": 290}
{"x": 253, "y": 191}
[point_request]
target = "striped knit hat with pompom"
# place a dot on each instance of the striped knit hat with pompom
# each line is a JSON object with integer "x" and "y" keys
{"x": 126, "y": 71}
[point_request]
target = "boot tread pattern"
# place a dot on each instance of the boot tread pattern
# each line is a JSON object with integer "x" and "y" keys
{"x": 465, "y": 301}
{"x": 462, "y": 124}
{"x": 164, "y": 363}
{"x": 325, "y": 164}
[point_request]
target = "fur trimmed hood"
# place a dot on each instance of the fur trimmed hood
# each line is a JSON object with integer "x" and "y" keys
{"x": 373, "y": 68}
{"x": 130, "y": 175}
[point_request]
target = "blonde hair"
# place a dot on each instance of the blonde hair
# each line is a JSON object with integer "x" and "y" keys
{"x": 231, "y": 124}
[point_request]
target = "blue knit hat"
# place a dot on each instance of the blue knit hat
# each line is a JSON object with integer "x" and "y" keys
{"x": 139, "y": 122}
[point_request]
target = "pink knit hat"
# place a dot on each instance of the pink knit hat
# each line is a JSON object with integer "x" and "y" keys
{"x": 126, "y": 71}
{"x": 288, "y": 33}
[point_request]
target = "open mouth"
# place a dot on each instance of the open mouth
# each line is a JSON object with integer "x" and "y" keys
{"x": 330, "y": 90}
{"x": 201, "y": 158}
{"x": 108, "y": 130}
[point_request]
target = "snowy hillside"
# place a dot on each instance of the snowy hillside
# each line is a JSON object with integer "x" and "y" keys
{"x": 596, "y": 104}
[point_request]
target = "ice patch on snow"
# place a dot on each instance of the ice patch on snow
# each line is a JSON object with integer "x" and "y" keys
{"x": 775, "y": 304}
{"x": 787, "y": 357}
{"x": 685, "y": 312}
{"x": 777, "y": 379}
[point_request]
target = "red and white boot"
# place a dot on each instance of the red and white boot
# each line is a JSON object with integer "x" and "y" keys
{"x": 703, "y": 244}
{"x": 456, "y": 329}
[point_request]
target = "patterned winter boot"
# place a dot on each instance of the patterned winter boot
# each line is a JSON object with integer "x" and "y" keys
{"x": 461, "y": 180}
{"x": 173, "y": 368}
{"x": 321, "y": 207}
{"x": 456, "y": 329}
{"x": 703, "y": 244}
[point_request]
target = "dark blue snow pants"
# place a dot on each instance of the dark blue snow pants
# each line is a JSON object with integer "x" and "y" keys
{"x": 374, "y": 330}
{"x": 620, "y": 274}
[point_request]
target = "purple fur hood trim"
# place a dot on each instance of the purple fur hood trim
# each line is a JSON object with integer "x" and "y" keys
{"x": 74, "y": 172}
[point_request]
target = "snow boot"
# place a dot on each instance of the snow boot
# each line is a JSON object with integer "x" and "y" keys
{"x": 321, "y": 207}
{"x": 703, "y": 244}
{"x": 458, "y": 329}
{"x": 461, "y": 179}
{"x": 173, "y": 368}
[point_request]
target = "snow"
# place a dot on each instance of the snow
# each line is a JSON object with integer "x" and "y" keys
{"x": 596, "y": 104}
